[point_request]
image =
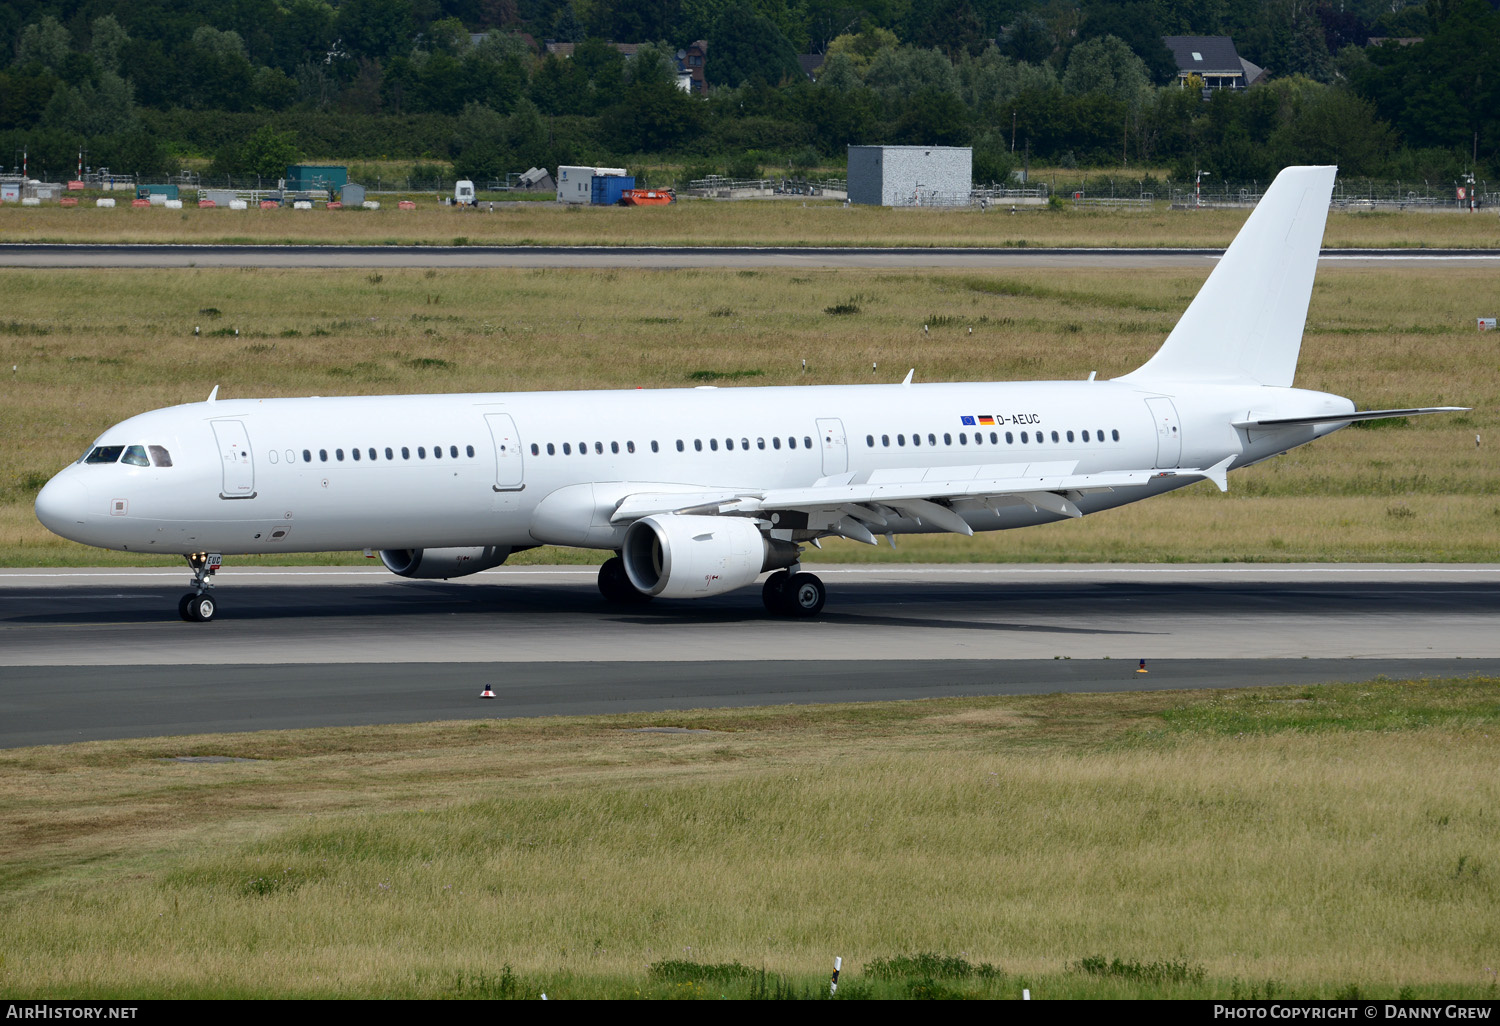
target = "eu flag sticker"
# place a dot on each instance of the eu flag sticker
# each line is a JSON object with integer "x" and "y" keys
{"x": 966, "y": 421}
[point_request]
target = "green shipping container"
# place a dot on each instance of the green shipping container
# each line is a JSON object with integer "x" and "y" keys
{"x": 305, "y": 177}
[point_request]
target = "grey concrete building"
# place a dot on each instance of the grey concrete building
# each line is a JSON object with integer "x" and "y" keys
{"x": 911, "y": 176}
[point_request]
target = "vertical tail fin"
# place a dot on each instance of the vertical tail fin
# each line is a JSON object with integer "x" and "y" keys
{"x": 1245, "y": 325}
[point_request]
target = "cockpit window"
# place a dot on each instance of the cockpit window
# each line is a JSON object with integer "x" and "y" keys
{"x": 105, "y": 454}
{"x": 135, "y": 455}
{"x": 160, "y": 456}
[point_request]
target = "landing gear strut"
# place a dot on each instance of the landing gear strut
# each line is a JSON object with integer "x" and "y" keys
{"x": 198, "y": 606}
{"x": 793, "y": 594}
{"x": 615, "y": 586}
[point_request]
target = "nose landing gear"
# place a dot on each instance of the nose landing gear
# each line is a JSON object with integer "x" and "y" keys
{"x": 198, "y": 606}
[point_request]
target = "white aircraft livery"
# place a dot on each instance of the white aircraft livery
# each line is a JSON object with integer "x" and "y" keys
{"x": 700, "y": 491}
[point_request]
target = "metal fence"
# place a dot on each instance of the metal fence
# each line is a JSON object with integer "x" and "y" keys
{"x": 1348, "y": 194}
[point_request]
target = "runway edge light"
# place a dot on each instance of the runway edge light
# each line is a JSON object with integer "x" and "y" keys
{"x": 1142, "y": 667}
{"x": 487, "y": 692}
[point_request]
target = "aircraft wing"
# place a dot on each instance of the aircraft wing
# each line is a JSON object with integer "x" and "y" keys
{"x": 935, "y": 496}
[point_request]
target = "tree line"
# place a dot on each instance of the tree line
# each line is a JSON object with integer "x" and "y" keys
{"x": 142, "y": 86}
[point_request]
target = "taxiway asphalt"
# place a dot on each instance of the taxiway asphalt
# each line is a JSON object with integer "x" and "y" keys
{"x": 92, "y": 654}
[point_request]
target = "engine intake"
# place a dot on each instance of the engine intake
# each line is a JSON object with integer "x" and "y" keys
{"x": 677, "y": 556}
{"x": 441, "y": 564}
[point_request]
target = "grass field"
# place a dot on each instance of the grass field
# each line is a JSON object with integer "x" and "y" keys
{"x": 90, "y": 348}
{"x": 1307, "y": 841}
{"x": 706, "y": 222}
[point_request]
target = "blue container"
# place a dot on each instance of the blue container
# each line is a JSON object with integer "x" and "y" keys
{"x": 609, "y": 188}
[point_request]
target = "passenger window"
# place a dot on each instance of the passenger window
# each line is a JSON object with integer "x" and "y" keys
{"x": 1115, "y": 434}
{"x": 791, "y": 443}
{"x": 372, "y": 454}
{"x": 389, "y": 454}
{"x": 963, "y": 438}
{"x": 355, "y": 454}
{"x": 405, "y": 453}
{"x": 931, "y": 438}
{"x": 421, "y": 452}
{"x": 583, "y": 448}
{"x": 885, "y": 440}
{"x": 947, "y": 438}
{"x": 1010, "y": 439}
{"x": 869, "y": 441}
{"x": 323, "y": 455}
{"x": 306, "y": 456}
{"x": 776, "y": 441}
{"x": 713, "y": 443}
{"x": 453, "y": 451}
{"x": 1085, "y": 436}
{"x": 698, "y": 445}
{"x": 729, "y": 443}
{"x": 437, "y": 452}
{"x": 760, "y": 443}
{"x": 654, "y": 446}
{"x": 1054, "y": 436}
{"x": 536, "y": 450}
{"x": 135, "y": 455}
{"x": 900, "y": 439}
{"x": 551, "y": 449}
{"x": 807, "y": 441}
{"x": 338, "y": 454}
{"x": 629, "y": 445}
{"x": 105, "y": 454}
{"x": 567, "y": 449}
{"x": 270, "y": 455}
{"x": 916, "y": 439}
{"x": 162, "y": 458}
{"x": 1070, "y": 436}
{"x": 1024, "y": 438}
{"x": 994, "y": 438}
{"x": 745, "y": 444}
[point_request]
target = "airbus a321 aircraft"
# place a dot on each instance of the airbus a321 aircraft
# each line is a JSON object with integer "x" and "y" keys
{"x": 699, "y": 491}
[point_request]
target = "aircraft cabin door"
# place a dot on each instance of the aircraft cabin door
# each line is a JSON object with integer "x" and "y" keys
{"x": 509, "y": 473}
{"x": 1168, "y": 432}
{"x": 234, "y": 453}
{"x": 835, "y": 448}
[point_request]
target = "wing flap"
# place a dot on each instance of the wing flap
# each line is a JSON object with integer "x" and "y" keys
{"x": 868, "y": 502}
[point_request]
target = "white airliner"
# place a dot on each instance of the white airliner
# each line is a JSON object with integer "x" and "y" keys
{"x": 699, "y": 491}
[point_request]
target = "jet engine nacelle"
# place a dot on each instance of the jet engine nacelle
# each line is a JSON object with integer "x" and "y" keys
{"x": 428, "y": 564}
{"x": 676, "y": 556}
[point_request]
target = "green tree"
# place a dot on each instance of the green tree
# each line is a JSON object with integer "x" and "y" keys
{"x": 745, "y": 45}
{"x": 108, "y": 39}
{"x": 376, "y": 28}
{"x": 267, "y": 153}
{"x": 1107, "y": 65}
{"x": 45, "y": 42}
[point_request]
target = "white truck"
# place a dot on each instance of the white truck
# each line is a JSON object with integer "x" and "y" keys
{"x": 463, "y": 194}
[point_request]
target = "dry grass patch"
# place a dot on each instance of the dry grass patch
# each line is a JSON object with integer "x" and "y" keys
{"x": 707, "y": 223}
{"x": 1305, "y": 836}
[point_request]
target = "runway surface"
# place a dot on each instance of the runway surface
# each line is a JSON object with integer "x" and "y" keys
{"x": 88, "y": 654}
{"x": 668, "y": 257}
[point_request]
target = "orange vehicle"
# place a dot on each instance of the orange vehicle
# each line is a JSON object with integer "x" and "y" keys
{"x": 647, "y": 197}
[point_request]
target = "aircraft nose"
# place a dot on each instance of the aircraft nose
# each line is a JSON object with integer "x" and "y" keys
{"x": 62, "y": 504}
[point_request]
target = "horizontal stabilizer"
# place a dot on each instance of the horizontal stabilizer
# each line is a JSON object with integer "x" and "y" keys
{"x": 1346, "y": 418}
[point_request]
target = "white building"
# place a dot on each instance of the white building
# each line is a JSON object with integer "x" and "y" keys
{"x": 911, "y": 176}
{"x": 576, "y": 184}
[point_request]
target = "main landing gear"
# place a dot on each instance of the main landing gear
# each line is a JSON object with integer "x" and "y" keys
{"x": 793, "y": 594}
{"x": 615, "y": 586}
{"x": 198, "y": 606}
